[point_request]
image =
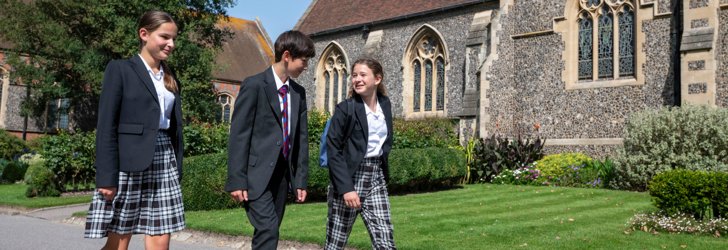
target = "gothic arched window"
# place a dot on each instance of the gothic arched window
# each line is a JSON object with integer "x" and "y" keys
{"x": 333, "y": 75}
{"x": 226, "y": 104}
{"x": 606, "y": 39}
{"x": 426, "y": 63}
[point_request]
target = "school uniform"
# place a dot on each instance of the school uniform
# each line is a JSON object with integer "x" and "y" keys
{"x": 268, "y": 150}
{"x": 139, "y": 151}
{"x": 360, "y": 163}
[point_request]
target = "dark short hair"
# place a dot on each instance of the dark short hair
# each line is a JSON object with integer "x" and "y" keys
{"x": 296, "y": 43}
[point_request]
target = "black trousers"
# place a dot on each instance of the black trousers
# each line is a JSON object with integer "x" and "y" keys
{"x": 266, "y": 212}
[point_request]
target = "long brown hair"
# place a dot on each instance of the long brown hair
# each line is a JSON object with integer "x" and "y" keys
{"x": 376, "y": 68}
{"x": 150, "y": 21}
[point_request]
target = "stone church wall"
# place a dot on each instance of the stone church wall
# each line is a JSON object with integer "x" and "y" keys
{"x": 452, "y": 25}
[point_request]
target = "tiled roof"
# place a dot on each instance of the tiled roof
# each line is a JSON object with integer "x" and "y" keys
{"x": 326, "y": 15}
{"x": 248, "y": 52}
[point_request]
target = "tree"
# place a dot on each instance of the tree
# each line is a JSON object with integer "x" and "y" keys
{"x": 61, "y": 47}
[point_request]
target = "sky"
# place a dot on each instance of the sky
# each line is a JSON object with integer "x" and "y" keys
{"x": 277, "y": 16}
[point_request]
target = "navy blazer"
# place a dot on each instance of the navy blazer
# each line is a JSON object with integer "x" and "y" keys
{"x": 346, "y": 155}
{"x": 128, "y": 122}
{"x": 254, "y": 146}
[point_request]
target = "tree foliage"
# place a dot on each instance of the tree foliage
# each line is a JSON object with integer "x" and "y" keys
{"x": 63, "y": 46}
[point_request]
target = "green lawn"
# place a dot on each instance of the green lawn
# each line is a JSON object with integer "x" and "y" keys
{"x": 14, "y": 195}
{"x": 486, "y": 217}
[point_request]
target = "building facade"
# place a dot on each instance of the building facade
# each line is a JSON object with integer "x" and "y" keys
{"x": 570, "y": 71}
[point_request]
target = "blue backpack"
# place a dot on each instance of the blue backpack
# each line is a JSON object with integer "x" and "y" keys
{"x": 323, "y": 156}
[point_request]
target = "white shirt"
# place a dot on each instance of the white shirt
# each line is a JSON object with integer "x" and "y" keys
{"x": 280, "y": 84}
{"x": 165, "y": 97}
{"x": 377, "y": 131}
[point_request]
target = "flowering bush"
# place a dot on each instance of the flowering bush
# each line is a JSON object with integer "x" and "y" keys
{"x": 524, "y": 175}
{"x": 575, "y": 176}
{"x": 678, "y": 223}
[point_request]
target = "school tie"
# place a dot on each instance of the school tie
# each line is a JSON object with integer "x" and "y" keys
{"x": 283, "y": 91}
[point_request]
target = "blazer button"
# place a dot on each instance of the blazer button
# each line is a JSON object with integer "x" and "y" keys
{"x": 272, "y": 163}
{"x": 278, "y": 143}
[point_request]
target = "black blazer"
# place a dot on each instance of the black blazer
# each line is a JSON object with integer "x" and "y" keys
{"x": 346, "y": 155}
{"x": 255, "y": 136}
{"x": 128, "y": 122}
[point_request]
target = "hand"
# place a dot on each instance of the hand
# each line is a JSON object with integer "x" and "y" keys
{"x": 300, "y": 195}
{"x": 107, "y": 192}
{"x": 240, "y": 195}
{"x": 351, "y": 199}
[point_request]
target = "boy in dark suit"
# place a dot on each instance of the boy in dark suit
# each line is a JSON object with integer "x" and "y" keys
{"x": 268, "y": 145}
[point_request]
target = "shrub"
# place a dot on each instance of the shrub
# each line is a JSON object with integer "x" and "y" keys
{"x": 439, "y": 133}
{"x": 203, "y": 183}
{"x": 10, "y": 146}
{"x": 495, "y": 154}
{"x": 316, "y": 124}
{"x": 696, "y": 193}
{"x": 688, "y": 137}
{"x": 205, "y": 138}
{"x": 425, "y": 169}
{"x": 410, "y": 170}
{"x": 556, "y": 165}
{"x": 71, "y": 157}
{"x": 40, "y": 179}
{"x": 12, "y": 171}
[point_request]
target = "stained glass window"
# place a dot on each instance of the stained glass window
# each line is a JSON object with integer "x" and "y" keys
{"x": 336, "y": 86}
{"x": 440, "y": 84}
{"x": 63, "y": 106}
{"x": 585, "y": 47}
{"x": 592, "y": 3}
{"x": 606, "y": 42}
{"x": 344, "y": 84}
{"x": 333, "y": 77}
{"x": 428, "y": 85}
{"x": 327, "y": 89}
{"x": 606, "y": 23}
{"x": 417, "y": 85}
{"x": 626, "y": 42}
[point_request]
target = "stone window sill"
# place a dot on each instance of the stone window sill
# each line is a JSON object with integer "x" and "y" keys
{"x": 603, "y": 83}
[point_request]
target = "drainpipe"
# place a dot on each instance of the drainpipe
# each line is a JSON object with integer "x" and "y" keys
{"x": 677, "y": 30}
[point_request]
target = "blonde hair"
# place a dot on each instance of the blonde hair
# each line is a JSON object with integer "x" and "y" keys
{"x": 151, "y": 21}
{"x": 376, "y": 68}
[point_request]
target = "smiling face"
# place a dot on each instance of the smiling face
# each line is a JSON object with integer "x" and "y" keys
{"x": 364, "y": 81}
{"x": 159, "y": 43}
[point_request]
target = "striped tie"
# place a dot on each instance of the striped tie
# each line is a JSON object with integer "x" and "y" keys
{"x": 283, "y": 91}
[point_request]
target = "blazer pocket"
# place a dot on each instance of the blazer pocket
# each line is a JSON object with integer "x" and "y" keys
{"x": 130, "y": 128}
{"x": 252, "y": 160}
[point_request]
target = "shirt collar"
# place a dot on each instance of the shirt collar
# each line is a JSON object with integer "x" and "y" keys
{"x": 369, "y": 111}
{"x": 279, "y": 83}
{"x": 149, "y": 69}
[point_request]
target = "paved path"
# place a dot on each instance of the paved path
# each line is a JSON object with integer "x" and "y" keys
{"x": 54, "y": 228}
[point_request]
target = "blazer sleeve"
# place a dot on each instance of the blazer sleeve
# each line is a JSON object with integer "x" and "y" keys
{"x": 336, "y": 144}
{"x": 107, "y": 144}
{"x": 301, "y": 177}
{"x": 241, "y": 131}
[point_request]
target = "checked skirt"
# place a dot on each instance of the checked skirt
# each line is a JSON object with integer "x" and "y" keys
{"x": 375, "y": 211}
{"x": 147, "y": 202}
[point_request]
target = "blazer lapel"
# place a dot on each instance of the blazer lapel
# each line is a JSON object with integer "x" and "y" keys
{"x": 143, "y": 74}
{"x": 361, "y": 115}
{"x": 272, "y": 93}
{"x": 295, "y": 106}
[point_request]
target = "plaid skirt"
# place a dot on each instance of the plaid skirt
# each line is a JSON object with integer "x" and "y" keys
{"x": 147, "y": 202}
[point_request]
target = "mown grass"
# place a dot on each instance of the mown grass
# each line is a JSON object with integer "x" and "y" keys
{"x": 485, "y": 217}
{"x": 14, "y": 195}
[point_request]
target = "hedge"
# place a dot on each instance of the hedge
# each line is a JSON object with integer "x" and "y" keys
{"x": 410, "y": 169}
{"x": 697, "y": 193}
